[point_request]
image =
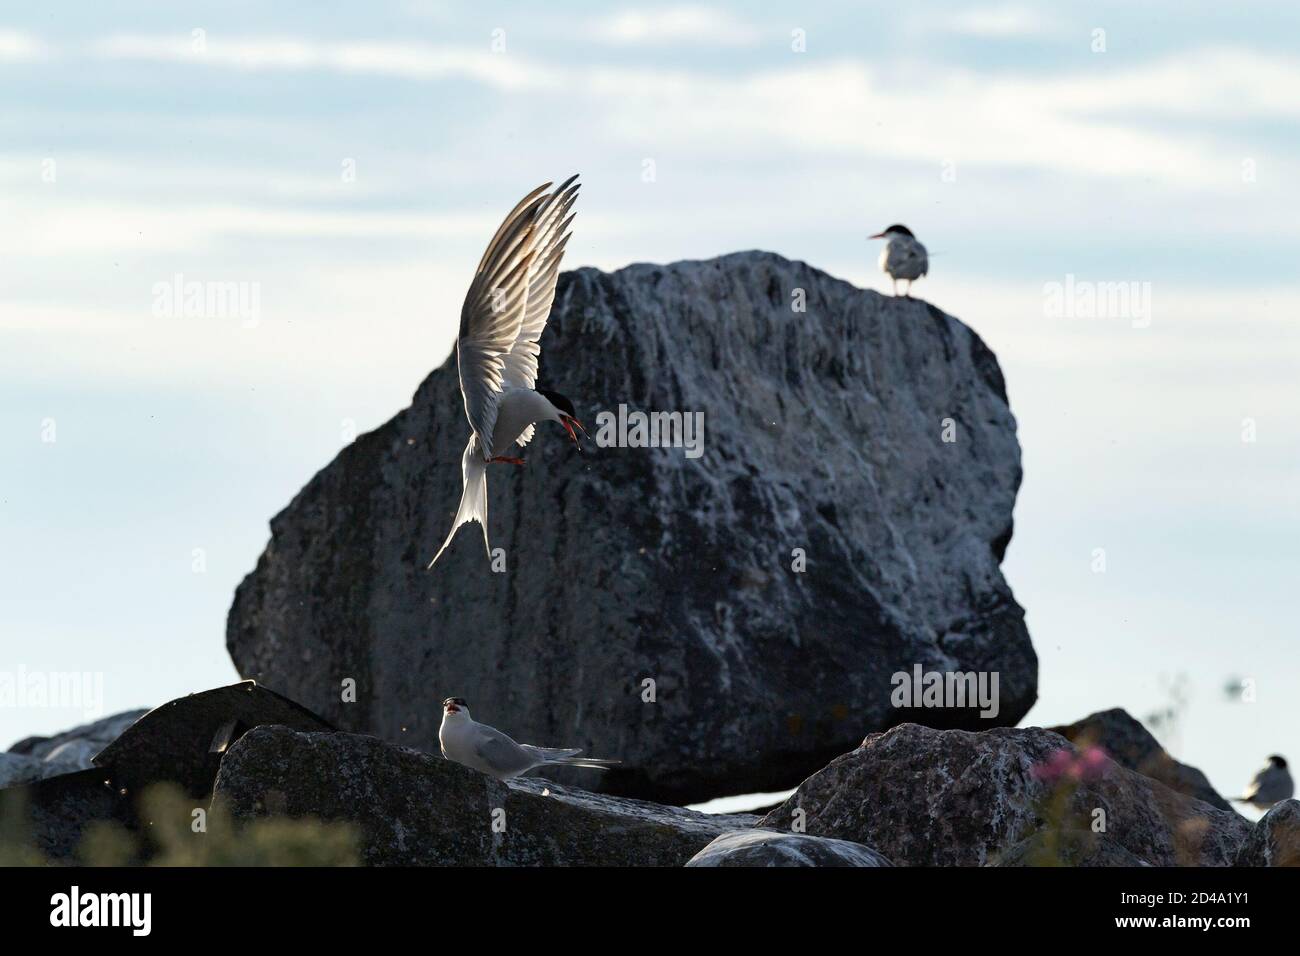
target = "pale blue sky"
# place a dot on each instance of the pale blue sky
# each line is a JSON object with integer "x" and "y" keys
{"x": 1169, "y": 158}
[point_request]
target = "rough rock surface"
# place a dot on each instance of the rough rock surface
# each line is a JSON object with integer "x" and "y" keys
{"x": 823, "y": 431}
{"x": 759, "y": 847}
{"x": 1131, "y": 745}
{"x": 956, "y": 798}
{"x": 417, "y": 809}
{"x": 1275, "y": 838}
{"x": 1070, "y": 847}
{"x": 35, "y": 758}
{"x": 19, "y": 768}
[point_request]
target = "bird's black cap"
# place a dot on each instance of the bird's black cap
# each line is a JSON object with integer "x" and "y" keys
{"x": 559, "y": 401}
{"x": 899, "y": 227}
{"x": 1278, "y": 761}
{"x": 458, "y": 701}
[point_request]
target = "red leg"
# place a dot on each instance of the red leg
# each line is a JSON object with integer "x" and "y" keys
{"x": 507, "y": 461}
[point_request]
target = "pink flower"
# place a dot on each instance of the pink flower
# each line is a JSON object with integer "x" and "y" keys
{"x": 1056, "y": 766}
{"x": 1091, "y": 764}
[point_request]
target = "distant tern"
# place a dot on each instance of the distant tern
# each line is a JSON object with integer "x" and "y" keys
{"x": 502, "y": 319}
{"x": 489, "y": 751}
{"x": 903, "y": 256}
{"x": 1271, "y": 785}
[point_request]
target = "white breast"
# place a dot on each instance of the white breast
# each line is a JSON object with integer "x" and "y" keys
{"x": 516, "y": 410}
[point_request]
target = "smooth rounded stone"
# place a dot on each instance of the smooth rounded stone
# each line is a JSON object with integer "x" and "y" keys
{"x": 761, "y": 847}
{"x": 1275, "y": 838}
{"x": 844, "y": 521}
{"x": 927, "y": 797}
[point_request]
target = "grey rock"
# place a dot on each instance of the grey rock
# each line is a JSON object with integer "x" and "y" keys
{"x": 1275, "y": 838}
{"x": 180, "y": 742}
{"x": 823, "y": 431}
{"x": 97, "y": 734}
{"x": 418, "y": 809}
{"x": 16, "y": 769}
{"x": 1131, "y": 745}
{"x": 1070, "y": 847}
{"x": 54, "y": 813}
{"x": 183, "y": 740}
{"x": 759, "y": 847}
{"x": 957, "y": 798}
{"x": 35, "y": 758}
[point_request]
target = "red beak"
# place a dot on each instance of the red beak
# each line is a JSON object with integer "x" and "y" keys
{"x": 879, "y": 235}
{"x": 569, "y": 422}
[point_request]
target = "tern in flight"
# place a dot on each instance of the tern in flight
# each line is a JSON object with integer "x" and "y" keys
{"x": 489, "y": 751}
{"x": 903, "y": 256}
{"x": 501, "y": 322}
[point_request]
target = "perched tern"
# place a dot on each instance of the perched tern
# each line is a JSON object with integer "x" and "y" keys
{"x": 489, "y": 751}
{"x": 502, "y": 319}
{"x": 903, "y": 256}
{"x": 1271, "y": 785}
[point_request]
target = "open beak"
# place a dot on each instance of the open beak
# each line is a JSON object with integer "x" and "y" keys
{"x": 569, "y": 422}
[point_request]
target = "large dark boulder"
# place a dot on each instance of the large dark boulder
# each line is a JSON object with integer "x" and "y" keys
{"x": 1131, "y": 745}
{"x": 415, "y": 809}
{"x": 956, "y": 798}
{"x": 824, "y": 431}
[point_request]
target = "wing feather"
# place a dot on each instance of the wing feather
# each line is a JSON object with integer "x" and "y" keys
{"x": 551, "y": 227}
{"x": 509, "y": 301}
{"x": 494, "y": 311}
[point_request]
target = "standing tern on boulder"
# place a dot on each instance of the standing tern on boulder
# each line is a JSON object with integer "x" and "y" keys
{"x": 1271, "y": 785}
{"x": 903, "y": 256}
{"x": 489, "y": 751}
{"x": 502, "y": 319}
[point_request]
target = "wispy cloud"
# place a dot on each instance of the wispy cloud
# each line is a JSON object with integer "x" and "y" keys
{"x": 1083, "y": 121}
{"x": 1001, "y": 21}
{"x": 416, "y": 61}
{"x": 16, "y": 46}
{"x": 683, "y": 24}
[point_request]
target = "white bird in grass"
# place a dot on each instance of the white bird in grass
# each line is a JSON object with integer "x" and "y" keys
{"x": 489, "y": 751}
{"x": 903, "y": 256}
{"x": 501, "y": 321}
{"x": 1271, "y": 785}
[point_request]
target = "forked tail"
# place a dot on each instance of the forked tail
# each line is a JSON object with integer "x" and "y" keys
{"x": 593, "y": 762}
{"x": 568, "y": 757}
{"x": 473, "y": 500}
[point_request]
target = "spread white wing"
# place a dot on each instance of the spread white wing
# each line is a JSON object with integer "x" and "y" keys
{"x": 552, "y": 235}
{"x": 493, "y": 313}
{"x": 508, "y": 302}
